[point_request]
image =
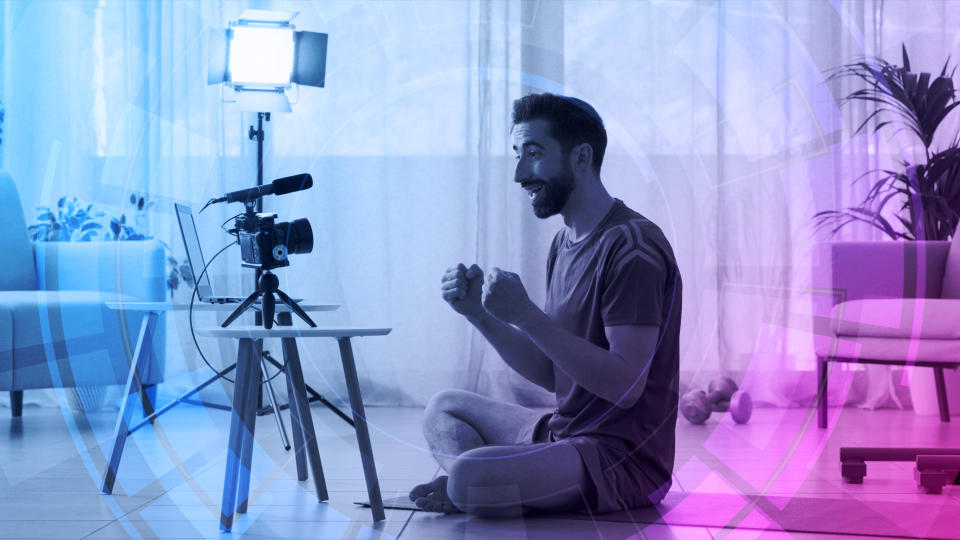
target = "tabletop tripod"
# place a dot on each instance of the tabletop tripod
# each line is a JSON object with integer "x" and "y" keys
{"x": 268, "y": 284}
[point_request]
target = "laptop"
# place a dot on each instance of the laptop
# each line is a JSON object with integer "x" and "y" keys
{"x": 191, "y": 242}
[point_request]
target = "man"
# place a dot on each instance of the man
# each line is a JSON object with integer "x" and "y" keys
{"x": 606, "y": 342}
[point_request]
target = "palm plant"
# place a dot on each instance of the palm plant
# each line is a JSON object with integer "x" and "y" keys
{"x": 928, "y": 193}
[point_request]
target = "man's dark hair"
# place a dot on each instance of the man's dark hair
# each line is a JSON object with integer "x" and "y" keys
{"x": 572, "y": 121}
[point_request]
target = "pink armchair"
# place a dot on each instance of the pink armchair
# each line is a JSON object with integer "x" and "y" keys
{"x": 895, "y": 303}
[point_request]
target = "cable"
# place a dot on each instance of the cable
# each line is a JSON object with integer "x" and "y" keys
{"x": 227, "y": 220}
{"x": 195, "y": 295}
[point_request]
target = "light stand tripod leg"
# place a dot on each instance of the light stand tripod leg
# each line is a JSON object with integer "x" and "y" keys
{"x": 184, "y": 398}
{"x": 314, "y": 395}
{"x": 273, "y": 403}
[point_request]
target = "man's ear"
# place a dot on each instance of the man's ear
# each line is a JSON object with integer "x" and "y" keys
{"x": 581, "y": 157}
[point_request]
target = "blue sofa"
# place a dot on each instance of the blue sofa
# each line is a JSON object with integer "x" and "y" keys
{"x": 55, "y": 329}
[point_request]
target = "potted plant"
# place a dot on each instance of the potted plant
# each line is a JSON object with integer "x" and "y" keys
{"x": 74, "y": 221}
{"x": 920, "y": 198}
{"x": 928, "y": 191}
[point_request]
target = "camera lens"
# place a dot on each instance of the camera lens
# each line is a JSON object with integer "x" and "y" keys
{"x": 297, "y": 235}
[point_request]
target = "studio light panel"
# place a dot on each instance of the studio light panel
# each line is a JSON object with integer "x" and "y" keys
{"x": 261, "y": 56}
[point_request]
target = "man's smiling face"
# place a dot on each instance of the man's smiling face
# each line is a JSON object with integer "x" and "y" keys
{"x": 542, "y": 168}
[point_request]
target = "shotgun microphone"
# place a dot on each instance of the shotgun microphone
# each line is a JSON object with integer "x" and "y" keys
{"x": 280, "y": 186}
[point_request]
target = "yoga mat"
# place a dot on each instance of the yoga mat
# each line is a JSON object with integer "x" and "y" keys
{"x": 835, "y": 515}
{"x": 936, "y": 520}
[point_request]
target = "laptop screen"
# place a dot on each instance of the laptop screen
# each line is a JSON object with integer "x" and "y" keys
{"x": 192, "y": 243}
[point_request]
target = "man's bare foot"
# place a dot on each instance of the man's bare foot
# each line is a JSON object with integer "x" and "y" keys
{"x": 432, "y": 496}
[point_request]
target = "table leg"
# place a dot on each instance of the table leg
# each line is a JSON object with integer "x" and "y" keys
{"x": 249, "y": 420}
{"x": 298, "y": 446}
{"x": 122, "y": 429}
{"x": 148, "y": 397}
{"x": 240, "y": 393}
{"x": 363, "y": 435}
{"x": 299, "y": 400}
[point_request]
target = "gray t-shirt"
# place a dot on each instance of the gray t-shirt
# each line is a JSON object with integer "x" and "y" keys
{"x": 624, "y": 272}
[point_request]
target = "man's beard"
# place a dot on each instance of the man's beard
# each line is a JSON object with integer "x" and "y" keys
{"x": 554, "y": 195}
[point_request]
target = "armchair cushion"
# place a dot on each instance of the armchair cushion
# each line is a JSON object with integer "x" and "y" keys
{"x": 920, "y": 318}
{"x": 16, "y": 265}
{"x": 900, "y": 350}
{"x": 69, "y": 338}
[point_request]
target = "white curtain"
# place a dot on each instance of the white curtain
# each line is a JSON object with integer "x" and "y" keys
{"x": 726, "y": 133}
{"x": 722, "y": 130}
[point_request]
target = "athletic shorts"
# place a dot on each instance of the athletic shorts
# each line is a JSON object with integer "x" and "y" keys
{"x": 618, "y": 481}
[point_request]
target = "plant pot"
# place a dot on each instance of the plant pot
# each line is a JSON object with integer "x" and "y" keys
{"x": 923, "y": 391}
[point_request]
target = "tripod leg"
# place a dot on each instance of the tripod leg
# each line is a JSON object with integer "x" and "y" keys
{"x": 298, "y": 437}
{"x": 363, "y": 435}
{"x": 122, "y": 430}
{"x": 227, "y": 506}
{"x": 242, "y": 307}
{"x": 273, "y": 403}
{"x": 296, "y": 308}
{"x": 311, "y": 393}
{"x": 294, "y": 371}
{"x": 269, "y": 307}
{"x": 184, "y": 397}
{"x": 249, "y": 421}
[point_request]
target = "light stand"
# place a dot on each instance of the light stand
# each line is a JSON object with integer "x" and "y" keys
{"x": 258, "y": 134}
{"x": 250, "y": 71}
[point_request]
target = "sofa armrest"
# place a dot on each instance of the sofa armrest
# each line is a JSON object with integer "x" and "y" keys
{"x": 863, "y": 270}
{"x": 130, "y": 268}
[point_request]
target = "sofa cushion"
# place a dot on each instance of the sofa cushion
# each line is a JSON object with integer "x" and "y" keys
{"x": 927, "y": 318}
{"x": 951, "y": 273}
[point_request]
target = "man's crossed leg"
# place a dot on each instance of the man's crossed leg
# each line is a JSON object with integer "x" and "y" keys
{"x": 494, "y": 468}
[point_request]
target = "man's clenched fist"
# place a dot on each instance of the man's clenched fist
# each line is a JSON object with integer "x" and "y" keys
{"x": 504, "y": 296}
{"x": 462, "y": 288}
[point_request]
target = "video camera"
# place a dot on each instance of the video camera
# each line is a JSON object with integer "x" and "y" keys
{"x": 265, "y": 244}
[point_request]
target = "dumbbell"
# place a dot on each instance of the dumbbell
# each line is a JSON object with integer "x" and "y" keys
{"x": 722, "y": 395}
